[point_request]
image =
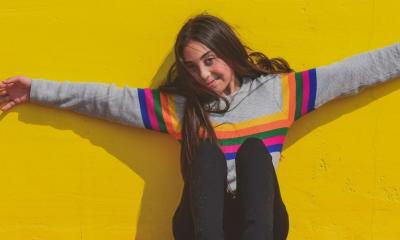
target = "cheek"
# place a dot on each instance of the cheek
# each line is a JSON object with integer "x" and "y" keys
{"x": 226, "y": 72}
{"x": 223, "y": 69}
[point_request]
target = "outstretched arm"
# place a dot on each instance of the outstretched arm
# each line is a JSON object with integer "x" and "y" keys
{"x": 317, "y": 86}
{"x": 137, "y": 107}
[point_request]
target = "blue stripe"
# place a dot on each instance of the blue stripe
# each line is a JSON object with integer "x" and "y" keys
{"x": 275, "y": 148}
{"x": 230, "y": 156}
{"x": 313, "y": 89}
{"x": 143, "y": 110}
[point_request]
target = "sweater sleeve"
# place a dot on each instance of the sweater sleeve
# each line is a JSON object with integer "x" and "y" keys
{"x": 314, "y": 87}
{"x": 137, "y": 107}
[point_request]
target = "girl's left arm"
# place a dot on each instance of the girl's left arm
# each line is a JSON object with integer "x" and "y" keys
{"x": 317, "y": 86}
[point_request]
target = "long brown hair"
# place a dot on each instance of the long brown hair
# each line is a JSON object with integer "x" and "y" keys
{"x": 219, "y": 37}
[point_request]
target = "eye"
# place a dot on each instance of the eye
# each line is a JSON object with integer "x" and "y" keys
{"x": 209, "y": 61}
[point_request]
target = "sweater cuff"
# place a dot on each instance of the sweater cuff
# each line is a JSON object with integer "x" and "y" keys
{"x": 39, "y": 89}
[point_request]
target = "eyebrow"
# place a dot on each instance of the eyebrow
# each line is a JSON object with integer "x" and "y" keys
{"x": 202, "y": 56}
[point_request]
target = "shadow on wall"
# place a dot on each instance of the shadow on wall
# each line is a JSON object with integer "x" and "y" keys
{"x": 162, "y": 72}
{"x": 159, "y": 167}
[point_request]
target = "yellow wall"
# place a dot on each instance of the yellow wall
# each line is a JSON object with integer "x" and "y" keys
{"x": 67, "y": 176}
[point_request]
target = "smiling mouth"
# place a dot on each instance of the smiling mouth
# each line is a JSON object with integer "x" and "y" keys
{"x": 211, "y": 82}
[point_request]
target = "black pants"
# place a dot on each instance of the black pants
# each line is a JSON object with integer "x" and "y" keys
{"x": 207, "y": 212}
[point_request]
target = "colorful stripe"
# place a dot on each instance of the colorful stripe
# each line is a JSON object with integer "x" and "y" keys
{"x": 267, "y": 142}
{"x": 298, "y": 98}
{"x": 290, "y": 88}
{"x": 306, "y": 92}
{"x": 262, "y": 135}
{"x": 272, "y": 129}
{"x": 253, "y": 130}
{"x": 158, "y": 111}
{"x": 155, "y": 108}
{"x": 299, "y": 94}
{"x": 143, "y": 108}
{"x": 273, "y": 140}
{"x": 175, "y": 123}
{"x": 166, "y": 113}
{"x": 306, "y": 85}
{"x": 150, "y": 109}
{"x": 313, "y": 89}
{"x": 266, "y": 122}
{"x": 273, "y": 148}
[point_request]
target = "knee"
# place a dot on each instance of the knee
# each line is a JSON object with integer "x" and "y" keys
{"x": 253, "y": 141}
{"x": 252, "y": 147}
{"x": 253, "y": 144}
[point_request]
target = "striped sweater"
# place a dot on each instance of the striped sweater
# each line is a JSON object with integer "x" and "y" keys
{"x": 264, "y": 107}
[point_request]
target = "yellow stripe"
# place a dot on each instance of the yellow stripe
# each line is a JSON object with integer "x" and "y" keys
{"x": 166, "y": 113}
{"x": 174, "y": 119}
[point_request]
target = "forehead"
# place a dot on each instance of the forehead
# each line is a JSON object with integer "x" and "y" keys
{"x": 194, "y": 50}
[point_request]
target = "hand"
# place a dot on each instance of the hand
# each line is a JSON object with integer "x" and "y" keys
{"x": 13, "y": 91}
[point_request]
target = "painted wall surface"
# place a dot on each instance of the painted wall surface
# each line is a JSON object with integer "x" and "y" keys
{"x": 68, "y": 176}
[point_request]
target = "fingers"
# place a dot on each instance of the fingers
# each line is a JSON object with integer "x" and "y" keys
{"x": 4, "y": 85}
{"x": 3, "y": 91}
{"x": 4, "y": 98}
{"x": 8, "y": 106}
{"x": 11, "y": 79}
{"x": 4, "y": 95}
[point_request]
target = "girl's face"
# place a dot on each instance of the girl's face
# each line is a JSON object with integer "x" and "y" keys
{"x": 208, "y": 69}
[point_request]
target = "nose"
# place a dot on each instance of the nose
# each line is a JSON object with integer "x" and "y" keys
{"x": 204, "y": 73}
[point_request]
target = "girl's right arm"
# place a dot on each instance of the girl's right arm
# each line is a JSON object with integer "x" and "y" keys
{"x": 137, "y": 107}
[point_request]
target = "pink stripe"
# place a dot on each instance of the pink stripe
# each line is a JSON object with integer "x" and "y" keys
{"x": 306, "y": 92}
{"x": 267, "y": 142}
{"x": 150, "y": 109}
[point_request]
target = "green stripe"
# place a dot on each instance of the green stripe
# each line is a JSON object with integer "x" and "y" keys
{"x": 239, "y": 140}
{"x": 299, "y": 94}
{"x": 157, "y": 109}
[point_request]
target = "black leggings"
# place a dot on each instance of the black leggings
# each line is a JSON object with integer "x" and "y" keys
{"x": 207, "y": 212}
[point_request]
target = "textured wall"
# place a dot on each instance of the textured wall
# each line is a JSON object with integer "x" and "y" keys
{"x": 67, "y": 176}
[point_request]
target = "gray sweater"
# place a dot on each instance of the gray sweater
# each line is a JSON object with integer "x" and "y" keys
{"x": 264, "y": 107}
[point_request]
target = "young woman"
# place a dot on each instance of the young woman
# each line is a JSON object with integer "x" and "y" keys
{"x": 230, "y": 108}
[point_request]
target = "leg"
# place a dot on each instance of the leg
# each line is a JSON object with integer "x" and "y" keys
{"x": 207, "y": 188}
{"x": 258, "y": 192}
{"x": 281, "y": 218}
{"x": 232, "y": 218}
{"x": 182, "y": 222}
